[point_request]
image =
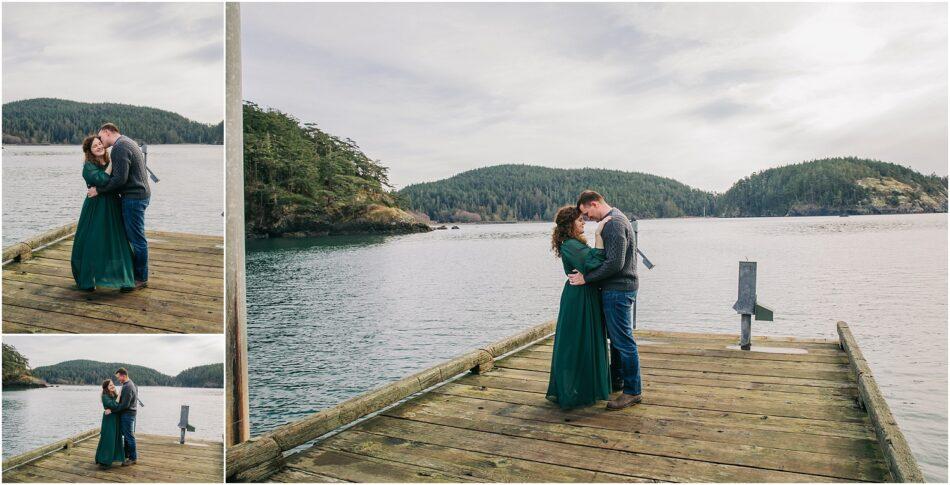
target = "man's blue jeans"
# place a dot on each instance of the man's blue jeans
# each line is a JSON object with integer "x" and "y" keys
{"x": 624, "y": 359}
{"x": 133, "y": 216}
{"x": 127, "y": 428}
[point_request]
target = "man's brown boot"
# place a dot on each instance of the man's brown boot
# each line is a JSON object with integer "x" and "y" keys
{"x": 623, "y": 401}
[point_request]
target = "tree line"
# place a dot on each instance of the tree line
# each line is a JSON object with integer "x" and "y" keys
{"x": 60, "y": 121}
{"x": 90, "y": 372}
{"x": 829, "y": 185}
{"x": 298, "y": 177}
{"x": 15, "y": 365}
{"x": 524, "y": 192}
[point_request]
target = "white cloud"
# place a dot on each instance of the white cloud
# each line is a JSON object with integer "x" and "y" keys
{"x": 164, "y": 55}
{"x": 169, "y": 354}
{"x": 702, "y": 93}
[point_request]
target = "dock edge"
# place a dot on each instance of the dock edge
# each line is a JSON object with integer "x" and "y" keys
{"x": 900, "y": 460}
{"x": 258, "y": 458}
{"x": 42, "y": 451}
{"x": 23, "y": 250}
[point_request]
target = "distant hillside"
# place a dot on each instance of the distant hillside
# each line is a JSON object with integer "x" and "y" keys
{"x": 526, "y": 192}
{"x": 835, "y": 186}
{"x": 302, "y": 181}
{"x": 60, "y": 121}
{"x": 211, "y": 375}
{"x": 821, "y": 187}
{"x": 92, "y": 372}
{"x": 16, "y": 370}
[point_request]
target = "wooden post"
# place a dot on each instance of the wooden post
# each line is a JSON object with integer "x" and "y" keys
{"x": 897, "y": 454}
{"x": 237, "y": 414}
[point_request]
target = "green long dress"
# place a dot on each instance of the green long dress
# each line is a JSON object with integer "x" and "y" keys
{"x": 101, "y": 254}
{"x": 580, "y": 373}
{"x": 110, "y": 447}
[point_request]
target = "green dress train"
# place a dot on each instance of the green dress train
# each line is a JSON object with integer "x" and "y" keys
{"x": 101, "y": 254}
{"x": 580, "y": 374}
{"x": 110, "y": 447}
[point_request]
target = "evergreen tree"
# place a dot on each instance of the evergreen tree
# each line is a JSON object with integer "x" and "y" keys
{"x": 60, "y": 121}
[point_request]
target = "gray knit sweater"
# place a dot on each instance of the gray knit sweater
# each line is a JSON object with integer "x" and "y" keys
{"x": 129, "y": 177}
{"x": 619, "y": 271}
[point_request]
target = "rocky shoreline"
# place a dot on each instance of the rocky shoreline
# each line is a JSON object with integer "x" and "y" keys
{"x": 24, "y": 382}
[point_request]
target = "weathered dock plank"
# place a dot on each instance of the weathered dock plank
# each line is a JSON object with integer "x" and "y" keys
{"x": 709, "y": 414}
{"x": 161, "y": 459}
{"x": 185, "y": 292}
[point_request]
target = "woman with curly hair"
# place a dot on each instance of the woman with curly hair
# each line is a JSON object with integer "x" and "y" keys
{"x": 102, "y": 256}
{"x": 580, "y": 375}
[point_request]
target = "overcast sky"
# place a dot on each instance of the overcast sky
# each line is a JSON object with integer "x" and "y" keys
{"x": 162, "y": 55}
{"x": 169, "y": 354}
{"x": 705, "y": 94}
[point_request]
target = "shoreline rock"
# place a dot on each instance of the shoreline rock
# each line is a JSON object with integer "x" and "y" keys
{"x": 355, "y": 228}
{"x": 24, "y": 382}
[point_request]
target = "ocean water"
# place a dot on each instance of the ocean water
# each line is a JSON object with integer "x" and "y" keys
{"x": 331, "y": 318}
{"x": 43, "y": 188}
{"x": 37, "y": 417}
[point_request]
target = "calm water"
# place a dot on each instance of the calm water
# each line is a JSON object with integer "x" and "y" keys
{"x": 334, "y": 317}
{"x": 37, "y": 417}
{"x": 43, "y": 188}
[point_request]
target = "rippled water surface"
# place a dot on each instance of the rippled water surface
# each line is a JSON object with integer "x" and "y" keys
{"x": 37, "y": 417}
{"x": 332, "y": 318}
{"x": 43, "y": 188}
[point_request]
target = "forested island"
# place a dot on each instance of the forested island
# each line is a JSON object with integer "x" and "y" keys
{"x": 91, "y": 372}
{"x": 16, "y": 370}
{"x": 533, "y": 193}
{"x": 45, "y": 121}
{"x": 835, "y": 186}
{"x": 302, "y": 181}
{"x": 832, "y": 186}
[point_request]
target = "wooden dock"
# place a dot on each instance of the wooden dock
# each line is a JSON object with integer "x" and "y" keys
{"x": 184, "y": 295}
{"x": 791, "y": 410}
{"x": 161, "y": 459}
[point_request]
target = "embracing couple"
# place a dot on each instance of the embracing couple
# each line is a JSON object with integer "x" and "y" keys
{"x": 117, "y": 434}
{"x": 597, "y": 302}
{"x": 109, "y": 248}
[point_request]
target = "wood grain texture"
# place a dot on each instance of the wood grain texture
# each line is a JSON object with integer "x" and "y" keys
{"x": 247, "y": 459}
{"x": 161, "y": 460}
{"x": 709, "y": 414}
{"x": 185, "y": 292}
{"x": 900, "y": 460}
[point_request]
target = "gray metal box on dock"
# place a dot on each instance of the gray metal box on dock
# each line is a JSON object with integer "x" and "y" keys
{"x": 746, "y": 304}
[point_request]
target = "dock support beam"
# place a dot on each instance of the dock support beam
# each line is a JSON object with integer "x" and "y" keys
{"x": 238, "y": 427}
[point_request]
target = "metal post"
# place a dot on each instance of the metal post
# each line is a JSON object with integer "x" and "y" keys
{"x": 236, "y": 390}
{"x": 745, "y": 304}
{"x": 183, "y": 423}
{"x": 745, "y": 341}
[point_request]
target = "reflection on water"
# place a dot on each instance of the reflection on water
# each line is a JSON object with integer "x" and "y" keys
{"x": 331, "y": 318}
{"x": 37, "y": 417}
{"x": 43, "y": 188}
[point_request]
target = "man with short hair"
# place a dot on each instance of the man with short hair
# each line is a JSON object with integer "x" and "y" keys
{"x": 617, "y": 278}
{"x": 128, "y": 406}
{"x": 130, "y": 179}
